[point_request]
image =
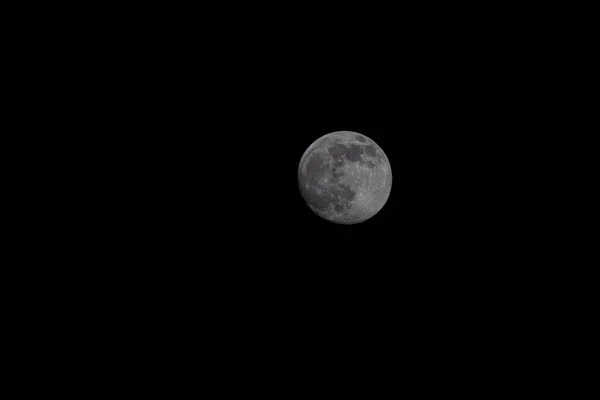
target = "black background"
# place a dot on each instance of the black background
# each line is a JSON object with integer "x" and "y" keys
{"x": 228, "y": 216}
{"x": 221, "y": 120}
{"x": 175, "y": 243}
{"x": 204, "y": 227}
{"x": 225, "y": 129}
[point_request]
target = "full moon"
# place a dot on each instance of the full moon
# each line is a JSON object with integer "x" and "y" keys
{"x": 345, "y": 177}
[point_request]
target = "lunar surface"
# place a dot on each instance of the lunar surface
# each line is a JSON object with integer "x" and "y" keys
{"x": 345, "y": 177}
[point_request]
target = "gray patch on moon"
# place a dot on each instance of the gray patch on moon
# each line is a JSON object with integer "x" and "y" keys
{"x": 322, "y": 196}
{"x": 316, "y": 167}
{"x": 315, "y": 200}
{"x": 352, "y": 152}
{"x": 371, "y": 150}
{"x": 337, "y": 150}
{"x": 360, "y": 138}
{"x": 346, "y": 192}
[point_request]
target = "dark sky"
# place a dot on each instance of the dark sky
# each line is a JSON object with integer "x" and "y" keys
{"x": 216, "y": 129}
{"x": 226, "y": 126}
{"x": 201, "y": 225}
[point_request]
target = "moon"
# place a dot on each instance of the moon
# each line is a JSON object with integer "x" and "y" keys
{"x": 345, "y": 177}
